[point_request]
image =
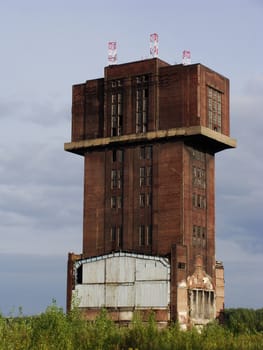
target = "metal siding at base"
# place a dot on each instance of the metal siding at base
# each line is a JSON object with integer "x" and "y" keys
{"x": 151, "y": 294}
{"x": 120, "y": 269}
{"x": 119, "y": 296}
{"x": 91, "y": 295}
{"x": 150, "y": 270}
{"x": 93, "y": 272}
{"x": 112, "y": 281}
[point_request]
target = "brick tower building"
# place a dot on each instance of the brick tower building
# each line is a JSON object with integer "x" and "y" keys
{"x": 148, "y": 132}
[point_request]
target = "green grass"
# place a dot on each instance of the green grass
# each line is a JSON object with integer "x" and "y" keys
{"x": 56, "y": 330}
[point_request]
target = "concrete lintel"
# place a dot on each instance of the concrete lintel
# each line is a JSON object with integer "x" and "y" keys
{"x": 223, "y": 141}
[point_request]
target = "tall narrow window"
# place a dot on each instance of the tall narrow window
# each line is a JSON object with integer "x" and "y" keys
{"x": 141, "y": 103}
{"x": 149, "y": 199}
{"x": 199, "y": 177}
{"x": 113, "y": 202}
{"x": 146, "y": 152}
{"x": 114, "y": 178}
{"x": 148, "y": 235}
{"x": 113, "y": 233}
{"x": 142, "y": 176}
{"x": 141, "y": 235}
{"x": 149, "y": 176}
{"x": 214, "y": 109}
{"x": 142, "y": 200}
{"x": 116, "y": 109}
{"x": 119, "y": 202}
{"x": 117, "y": 155}
{"x": 119, "y": 178}
{"x": 116, "y": 202}
{"x": 119, "y": 236}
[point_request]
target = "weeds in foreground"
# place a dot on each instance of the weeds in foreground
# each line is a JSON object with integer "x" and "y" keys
{"x": 54, "y": 329}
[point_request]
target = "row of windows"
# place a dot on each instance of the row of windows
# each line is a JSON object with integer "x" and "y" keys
{"x": 116, "y": 114}
{"x": 141, "y": 106}
{"x": 145, "y": 201}
{"x": 116, "y": 235}
{"x": 199, "y": 177}
{"x": 145, "y": 153}
{"x": 145, "y": 176}
{"x": 199, "y": 236}
{"x": 116, "y": 83}
{"x": 139, "y": 80}
{"x": 199, "y": 201}
{"x": 214, "y": 109}
{"x": 116, "y": 178}
{"x": 117, "y": 155}
{"x": 145, "y": 235}
{"x": 116, "y": 202}
{"x": 202, "y": 304}
{"x": 144, "y": 238}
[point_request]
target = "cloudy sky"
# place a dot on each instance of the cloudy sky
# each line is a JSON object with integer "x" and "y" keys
{"x": 46, "y": 46}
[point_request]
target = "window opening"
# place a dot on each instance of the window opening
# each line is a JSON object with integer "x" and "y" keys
{"x": 214, "y": 109}
{"x": 141, "y": 235}
{"x": 141, "y": 103}
{"x": 116, "y": 113}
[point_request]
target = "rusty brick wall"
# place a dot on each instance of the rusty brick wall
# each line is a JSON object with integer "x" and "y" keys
{"x": 177, "y": 98}
{"x": 207, "y": 77}
{"x": 94, "y": 209}
{"x": 167, "y": 196}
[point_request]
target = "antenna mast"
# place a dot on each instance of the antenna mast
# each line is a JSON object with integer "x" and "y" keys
{"x": 154, "y": 42}
{"x": 112, "y": 52}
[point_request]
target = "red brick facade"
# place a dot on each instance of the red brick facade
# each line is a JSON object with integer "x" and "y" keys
{"x": 148, "y": 132}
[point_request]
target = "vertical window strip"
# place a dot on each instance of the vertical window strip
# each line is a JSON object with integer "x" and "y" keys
{"x": 141, "y": 235}
{"x": 142, "y": 200}
{"x": 119, "y": 236}
{"x": 149, "y": 235}
{"x": 141, "y": 104}
{"x": 142, "y": 176}
{"x": 116, "y": 111}
{"x": 214, "y": 109}
{"x": 114, "y": 178}
{"x": 113, "y": 233}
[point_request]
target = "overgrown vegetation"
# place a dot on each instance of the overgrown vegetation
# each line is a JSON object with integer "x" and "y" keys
{"x": 53, "y": 329}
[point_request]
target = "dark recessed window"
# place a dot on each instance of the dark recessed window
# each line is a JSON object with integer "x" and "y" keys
{"x": 141, "y": 235}
{"x": 116, "y": 113}
{"x": 181, "y": 265}
{"x": 141, "y": 103}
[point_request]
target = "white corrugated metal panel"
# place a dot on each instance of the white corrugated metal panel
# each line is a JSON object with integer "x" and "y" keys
{"x": 90, "y": 295}
{"x": 120, "y": 269}
{"x": 124, "y": 280}
{"x": 151, "y": 270}
{"x": 93, "y": 272}
{"x": 120, "y": 295}
{"x": 152, "y": 294}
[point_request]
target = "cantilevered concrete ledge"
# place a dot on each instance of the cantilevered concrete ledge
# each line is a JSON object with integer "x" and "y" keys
{"x": 217, "y": 139}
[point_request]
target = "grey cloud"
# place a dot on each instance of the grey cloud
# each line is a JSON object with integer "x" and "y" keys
{"x": 239, "y": 191}
{"x": 40, "y": 198}
{"x": 47, "y": 112}
{"x": 30, "y": 275}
